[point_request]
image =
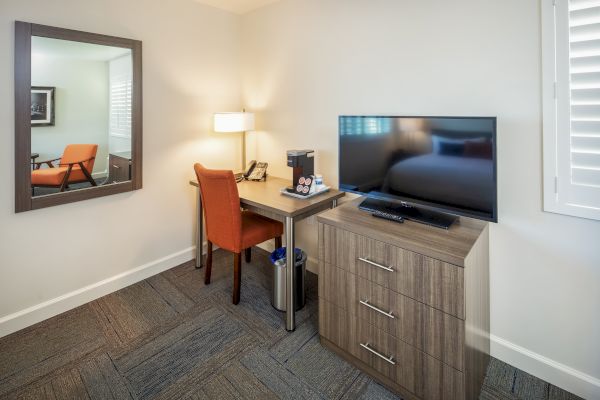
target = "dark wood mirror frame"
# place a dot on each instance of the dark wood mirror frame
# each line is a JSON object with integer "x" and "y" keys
{"x": 24, "y": 201}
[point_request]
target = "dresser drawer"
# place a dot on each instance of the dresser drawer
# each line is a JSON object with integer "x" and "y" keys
{"x": 435, "y": 332}
{"x": 430, "y": 281}
{"x": 409, "y": 367}
{"x": 119, "y": 169}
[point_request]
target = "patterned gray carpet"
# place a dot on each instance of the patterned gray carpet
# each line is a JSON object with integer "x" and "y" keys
{"x": 172, "y": 337}
{"x": 41, "y": 191}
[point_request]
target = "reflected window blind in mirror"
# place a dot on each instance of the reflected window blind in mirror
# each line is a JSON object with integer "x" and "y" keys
{"x": 120, "y": 75}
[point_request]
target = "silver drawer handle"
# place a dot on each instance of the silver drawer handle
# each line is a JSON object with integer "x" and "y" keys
{"x": 375, "y": 264}
{"x": 372, "y": 307}
{"x": 116, "y": 166}
{"x": 389, "y": 359}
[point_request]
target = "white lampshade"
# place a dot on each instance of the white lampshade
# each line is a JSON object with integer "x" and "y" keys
{"x": 234, "y": 122}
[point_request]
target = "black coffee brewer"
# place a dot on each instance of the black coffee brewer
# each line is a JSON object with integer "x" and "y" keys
{"x": 302, "y": 163}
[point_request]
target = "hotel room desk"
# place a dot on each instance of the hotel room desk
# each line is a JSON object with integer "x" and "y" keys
{"x": 265, "y": 198}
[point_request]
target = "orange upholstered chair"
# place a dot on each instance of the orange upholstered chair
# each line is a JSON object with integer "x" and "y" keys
{"x": 75, "y": 166}
{"x": 227, "y": 226}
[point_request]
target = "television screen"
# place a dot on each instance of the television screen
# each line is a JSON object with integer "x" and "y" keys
{"x": 445, "y": 163}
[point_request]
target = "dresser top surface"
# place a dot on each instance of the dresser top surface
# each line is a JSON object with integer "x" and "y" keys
{"x": 122, "y": 154}
{"x": 451, "y": 245}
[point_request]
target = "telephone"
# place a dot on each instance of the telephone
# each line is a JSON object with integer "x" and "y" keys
{"x": 256, "y": 171}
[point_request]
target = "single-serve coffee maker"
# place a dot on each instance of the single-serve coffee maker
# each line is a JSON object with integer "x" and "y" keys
{"x": 302, "y": 163}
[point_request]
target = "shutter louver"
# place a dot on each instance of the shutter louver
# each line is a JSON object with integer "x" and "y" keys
{"x": 571, "y": 107}
{"x": 120, "y": 106}
{"x": 584, "y": 74}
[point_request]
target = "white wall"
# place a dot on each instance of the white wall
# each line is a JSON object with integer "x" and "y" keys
{"x": 81, "y": 107}
{"x": 308, "y": 61}
{"x": 191, "y": 70}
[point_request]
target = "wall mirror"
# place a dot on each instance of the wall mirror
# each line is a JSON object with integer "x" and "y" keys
{"x": 78, "y": 115}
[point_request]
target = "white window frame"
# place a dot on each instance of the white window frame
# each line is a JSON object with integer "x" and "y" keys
{"x": 559, "y": 192}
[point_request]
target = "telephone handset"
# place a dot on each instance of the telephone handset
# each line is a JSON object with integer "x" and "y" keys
{"x": 249, "y": 168}
{"x": 256, "y": 171}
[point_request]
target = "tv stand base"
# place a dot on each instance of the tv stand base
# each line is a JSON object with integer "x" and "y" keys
{"x": 417, "y": 214}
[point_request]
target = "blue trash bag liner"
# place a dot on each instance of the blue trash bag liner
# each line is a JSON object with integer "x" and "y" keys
{"x": 278, "y": 257}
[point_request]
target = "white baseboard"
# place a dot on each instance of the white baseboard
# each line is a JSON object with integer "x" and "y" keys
{"x": 558, "y": 374}
{"x": 312, "y": 265}
{"x": 100, "y": 174}
{"x": 32, "y": 315}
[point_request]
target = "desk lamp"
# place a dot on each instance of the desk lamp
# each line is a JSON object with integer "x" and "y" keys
{"x": 235, "y": 122}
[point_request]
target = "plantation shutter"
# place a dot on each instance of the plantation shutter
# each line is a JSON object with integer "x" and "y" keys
{"x": 584, "y": 26}
{"x": 576, "y": 97}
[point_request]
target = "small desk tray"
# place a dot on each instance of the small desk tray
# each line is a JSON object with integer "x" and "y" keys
{"x": 308, "y": 196}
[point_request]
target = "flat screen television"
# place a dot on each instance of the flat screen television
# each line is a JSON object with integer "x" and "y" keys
{"x": 418, "y": 167}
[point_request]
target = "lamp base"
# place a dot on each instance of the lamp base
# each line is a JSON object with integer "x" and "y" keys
{"x": 239, "y": 177}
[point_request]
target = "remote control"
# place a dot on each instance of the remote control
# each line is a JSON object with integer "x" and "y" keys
{"x": 388, "y": 216}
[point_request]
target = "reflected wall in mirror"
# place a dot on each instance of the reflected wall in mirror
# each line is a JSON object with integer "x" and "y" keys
{"x": 82, "y": 137}
{"x": 89, "y": 141}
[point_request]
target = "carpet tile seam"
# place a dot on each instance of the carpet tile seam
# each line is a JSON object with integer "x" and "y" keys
{"x": 111, "y": 322}
{"x": 252, "y": 331}
{"x": 350, "y": 386}
{"x": 162, "y": 297}
{"x": 165, "y": 299}
{"x": 163, "y": 349}
{"x": 54, "y": 372}
{"x": 301, "y": 346}
{"x": 125, "y": 381}
{"x": 47, "y": 378}
{"x": 84, "y": 386}
{"x": 176, "y": 374}
{"x": 150, "y": 338}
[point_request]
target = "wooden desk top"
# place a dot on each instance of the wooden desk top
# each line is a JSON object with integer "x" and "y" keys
{"x": 451, "y": 245}
{"x": 267, "y": 196}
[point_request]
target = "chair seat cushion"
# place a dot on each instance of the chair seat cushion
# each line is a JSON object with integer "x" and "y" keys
{"x": 77, "y": 174}
{"x": 257, "y": 229}
{"x": 48, "y": 176}
{"x": 55, "y": 176}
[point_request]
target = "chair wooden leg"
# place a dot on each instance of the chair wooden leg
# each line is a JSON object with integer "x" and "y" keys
{"x": 278, "y": 242}
{"x": 208, "y": 262}
{"x": 64, "y": 185}
{"x": 248, "y": 254}
{"x": 237, "y": 277}
{"x": 87, "y": 174}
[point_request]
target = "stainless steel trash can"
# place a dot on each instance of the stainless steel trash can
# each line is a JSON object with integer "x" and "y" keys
{"x": 278, "y": 260}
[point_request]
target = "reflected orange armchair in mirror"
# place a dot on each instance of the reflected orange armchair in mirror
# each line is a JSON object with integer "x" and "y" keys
{"x": 75, "y": 166}
{"x": 227, "y": 226}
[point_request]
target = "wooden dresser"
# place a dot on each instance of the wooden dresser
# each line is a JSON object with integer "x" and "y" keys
{"x": 407, "y": 303}
{"x": 119, "y": 167}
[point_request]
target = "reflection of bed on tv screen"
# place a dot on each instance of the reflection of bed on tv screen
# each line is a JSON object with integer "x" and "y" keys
{"x": 441, "y": 162}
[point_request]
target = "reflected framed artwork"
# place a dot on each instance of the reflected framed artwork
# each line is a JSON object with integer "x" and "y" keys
{"x": 42, "y": 106}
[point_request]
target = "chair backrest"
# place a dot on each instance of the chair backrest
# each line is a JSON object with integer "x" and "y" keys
{"x": 80, "y": 152}
{"x": 221, "y": 203}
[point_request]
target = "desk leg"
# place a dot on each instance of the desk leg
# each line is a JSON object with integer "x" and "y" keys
{"x": 199, "y": 229}
{"x": 290, "y": 315}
